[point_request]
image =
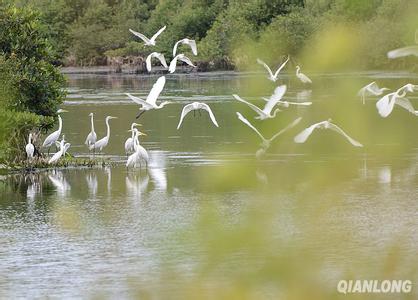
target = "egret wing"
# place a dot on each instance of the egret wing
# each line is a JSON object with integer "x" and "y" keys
{"x": 405, "y": 103}
{"x": 211, "y": 115}
{"x": 175, "y": 47}
{"x": 281, "y": 67}
{"x": 156, "y": 90}
{"x": 192, "y": 44}
{"x": 277, "y": 95}
{"x": 304, "y": 135}
{"x": 246, "y": 122}
{"x": 137, "y": 100}
{"x": 154, "y": 37}
{"x": 290, "y": 126}
{"x": 340, "y": 131}
{"x": 259, "y": 61}
{"x": 187, "y": 60}
{"x": 405, "y": 51}
{"x": 173, "y": 64}
{"x": 141, "y": 36}
{"x": 186, "y": 109}
{"x": 252, "y": 106}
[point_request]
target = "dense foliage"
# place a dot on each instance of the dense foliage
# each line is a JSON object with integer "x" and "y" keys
{"x": 31, "y": 86}
{"x": 85, "y": 32}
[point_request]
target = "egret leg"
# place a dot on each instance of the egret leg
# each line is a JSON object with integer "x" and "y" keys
{"x": 140, "y": 114}
{"x": 200, "y": 113}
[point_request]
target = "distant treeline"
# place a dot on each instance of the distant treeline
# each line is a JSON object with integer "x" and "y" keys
{"x": 85, "y": 32}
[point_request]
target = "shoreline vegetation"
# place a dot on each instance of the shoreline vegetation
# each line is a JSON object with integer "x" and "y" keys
{"x": 39, "y": 37}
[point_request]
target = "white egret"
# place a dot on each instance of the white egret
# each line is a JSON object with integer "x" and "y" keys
{"x": 402, "y": 52}
{"x": 181, "y": 57}
{"x": 63, "y": 148}
{"x": 372, "y": 89}
{"x": 196, "y": 106}
{"x": 53, "y": 137}
{"x": 58, "y": 145}
{"x": 157, "y": 55}
{"x": 100, "y": 144}
{"x": 266, "y": 112}
{"x": 284, "y": 103}
{"x": 30, "y": 149}
{"x": 140, "y": 153}
{"x": 129, "y": 143}
{"x": 304, "y": 135}
{"x": 191, "y": 43}
{"x": 265, "y": 143}
{"x": 302, "y": 77}
{"x": 275, "y": 76}
{"x": 92, "y": 136}
{"x": 147, "y": 41}
{"x": 151, "y": 101}
{"x": 386, "y": 104}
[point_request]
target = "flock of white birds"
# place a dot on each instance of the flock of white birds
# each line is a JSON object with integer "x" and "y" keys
{"x": 138, "y": 154}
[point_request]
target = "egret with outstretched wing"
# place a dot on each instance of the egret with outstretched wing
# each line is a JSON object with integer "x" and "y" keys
{"x": 181, "y": 57}
{"x": 147, "y": 41}
{"x": 197, "y": 106}
{"x": 157, "y": 55}
{"x": 275, "y": 76}
{"x": 189, "y": 42}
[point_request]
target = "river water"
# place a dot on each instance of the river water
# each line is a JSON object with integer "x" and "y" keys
{"x": 206, "y": 211}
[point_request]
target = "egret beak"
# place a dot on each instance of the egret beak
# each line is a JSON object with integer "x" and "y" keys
{"x": 141, "y": 133}
{"x": 113, "y": 118}
{"x": 61, "y": 111}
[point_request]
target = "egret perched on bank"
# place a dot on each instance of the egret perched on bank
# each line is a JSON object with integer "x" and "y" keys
{"x": 63, "y": 148}
{"x": 151, "y": 101}
{"x": 265, "y": 143}
{"x": 266, "y": 112}
{"x": 157, "y": 55}
{"x": 302, "y": 77}
{"x": 92, "y": 136}
{"x": 181, "y": 57}
{"x": 275, "y": 76}
{"x": 147, "y": 41}
{"x": 30, "y": 148}
{"x": 140, "y": 153}
{"x": 372, "y": 89}
{"x": 306, "y": 133}
{"x": 196, "y": 106}
{"x": 189, "y": 42}
{"x": 100, "y": 144}
{"x": 129, "y": 143}
{"x": 53, "y": 137}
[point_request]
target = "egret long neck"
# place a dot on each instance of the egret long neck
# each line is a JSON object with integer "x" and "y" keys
{"x": 92, "y": 123}
{"x": 108, "y": 128}
{"x": 59, "y": 123}
{"x": 30, "y": 138}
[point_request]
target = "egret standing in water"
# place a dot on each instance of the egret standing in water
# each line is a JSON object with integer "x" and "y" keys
{"x": 129, "y": 143}
{"x": 63, "y": 148}
{"x": 151, "y": 101}
{"x": 140, "y": 153}
{"x": 53, "y": 137}
{"x": 100, "y": 144}
{"x": 92, "y": 137}
{"x": 30, "y": 149}
{"x": 302, "y": 77}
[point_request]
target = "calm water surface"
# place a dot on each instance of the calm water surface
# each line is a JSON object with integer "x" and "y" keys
{"x": 103, "y": 231}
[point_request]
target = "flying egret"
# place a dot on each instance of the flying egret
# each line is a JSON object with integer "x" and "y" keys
{"x": 302, "y": 77}
{"x": 191, "y": 43}
{"x": 402, "y": 52}
{"x": 160, "y": 57}
{"x": 372, "y": 89}
{"x": 386, "y": 104}
{"x": 197, "y": 106}
{"x": 148, "y": 42}
{"x": 275, "y": 76}
{"x": 277, "y": 94}
{"x": 53, "y": 137}
{"x": 63, "y": 148}
{"x": 129, "y": 143}
{"x": 140, "y": 153}
{"x": 100, "y": 144}
{"x": 304, "y": 135}
{"x": 92, "y": 136}
{"x": 30, "y": 149}
{"x": 151, "y": 101}
{"x": 265, "y": 143}
{"x": 266, "y": 112}
{"x": 181, "y": 57}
